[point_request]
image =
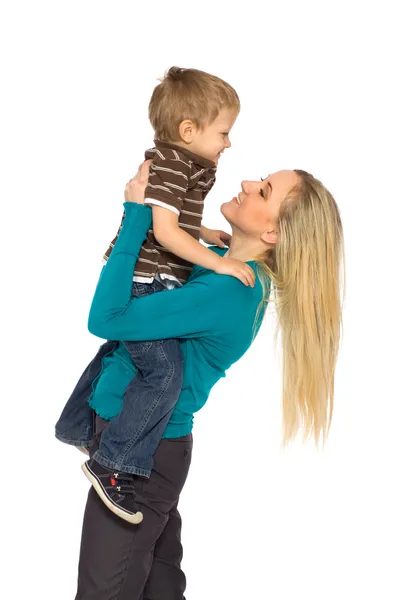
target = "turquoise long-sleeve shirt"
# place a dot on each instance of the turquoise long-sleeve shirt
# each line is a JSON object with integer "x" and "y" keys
{"x": 212, "y": 315}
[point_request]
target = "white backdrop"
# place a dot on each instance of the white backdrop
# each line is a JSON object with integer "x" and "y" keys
{"x": 317, "y": 82}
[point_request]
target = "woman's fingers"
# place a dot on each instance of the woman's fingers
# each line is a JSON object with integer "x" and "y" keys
{"x": 134, "y": 189}
{"x": 144, "y": 171}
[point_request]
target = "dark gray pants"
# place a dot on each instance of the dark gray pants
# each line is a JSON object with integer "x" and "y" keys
{"x": 121, "y": 561}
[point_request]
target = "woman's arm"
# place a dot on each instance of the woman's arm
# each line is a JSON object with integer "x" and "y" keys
{"x": 195, "y": 310}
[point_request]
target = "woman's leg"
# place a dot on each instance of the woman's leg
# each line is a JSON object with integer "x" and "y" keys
{"x": 166, "y": 580}
{"x": 116, "y": 557}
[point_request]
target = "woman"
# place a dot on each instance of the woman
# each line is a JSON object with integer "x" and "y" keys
{"x": 288, "y": 229}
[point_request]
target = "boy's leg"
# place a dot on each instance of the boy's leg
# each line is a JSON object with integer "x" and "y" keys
{"x": 116, "y": 558}
{"x": 129, "y": 442}
{"x": 75, "y": 425}
{"x": 133, "y": 436}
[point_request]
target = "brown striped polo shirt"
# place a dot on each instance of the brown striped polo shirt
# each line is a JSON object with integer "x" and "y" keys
{"x": 179, "y": 181}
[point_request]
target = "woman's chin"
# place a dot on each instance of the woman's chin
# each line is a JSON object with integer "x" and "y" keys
{"x": 225, "y": 209}
{"x": 228, "y": 208}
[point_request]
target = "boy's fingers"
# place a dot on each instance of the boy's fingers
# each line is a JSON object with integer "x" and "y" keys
{"x": 250, "y": 276}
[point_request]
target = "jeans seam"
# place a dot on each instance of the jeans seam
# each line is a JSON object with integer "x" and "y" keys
{"x": 165, "y": 357}
{"x": 146, "y": 419}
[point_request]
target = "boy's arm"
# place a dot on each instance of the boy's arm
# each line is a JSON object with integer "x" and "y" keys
{"x": 168, "y": 182}
{"x": 179, "y": 313}
{"x": 215, "y": 237}
{"x": 168, "y": 233}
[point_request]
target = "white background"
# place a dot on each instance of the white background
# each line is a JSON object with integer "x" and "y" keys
{"x": 317, "y": 82}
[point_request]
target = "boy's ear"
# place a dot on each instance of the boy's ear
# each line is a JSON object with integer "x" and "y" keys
{"x": 187, "y": 131}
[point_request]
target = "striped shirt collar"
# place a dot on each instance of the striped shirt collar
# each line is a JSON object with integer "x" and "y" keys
{"x": 198, "y": 160}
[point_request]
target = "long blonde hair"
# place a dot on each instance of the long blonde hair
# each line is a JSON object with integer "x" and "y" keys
{"x": 307, "y": 271}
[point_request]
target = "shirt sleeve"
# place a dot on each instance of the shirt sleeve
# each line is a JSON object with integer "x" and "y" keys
{"x": 168, "y": 180}
{"x": 180, "y": 313}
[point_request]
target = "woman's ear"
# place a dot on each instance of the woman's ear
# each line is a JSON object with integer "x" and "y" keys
{"x": 187, "y": 131}
{"x": 269, "y": 236}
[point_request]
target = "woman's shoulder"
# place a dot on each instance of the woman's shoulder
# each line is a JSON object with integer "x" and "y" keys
{"x": 197, "y": 269}
{"x": 231, "y": 290}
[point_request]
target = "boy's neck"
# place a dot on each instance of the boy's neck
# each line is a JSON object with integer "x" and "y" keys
{"x": 181, "y": 144}
{"x": 204, "y": 162}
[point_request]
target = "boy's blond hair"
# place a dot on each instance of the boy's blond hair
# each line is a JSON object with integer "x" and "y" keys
{"x": 188, "y": 94}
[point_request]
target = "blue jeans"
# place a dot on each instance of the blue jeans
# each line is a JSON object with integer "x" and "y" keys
{"x": 132, "y": 437}
{"x": 130, "y": 440}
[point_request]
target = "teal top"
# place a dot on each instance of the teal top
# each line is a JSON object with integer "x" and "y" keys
{"x": 212, "y": 315}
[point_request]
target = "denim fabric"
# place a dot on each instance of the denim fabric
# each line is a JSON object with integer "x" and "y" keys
{"x": 130, "y": 441}
{"x": 75, "y": 425}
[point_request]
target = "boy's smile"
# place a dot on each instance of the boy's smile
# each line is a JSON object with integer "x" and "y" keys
{"x": 211, "y": 141}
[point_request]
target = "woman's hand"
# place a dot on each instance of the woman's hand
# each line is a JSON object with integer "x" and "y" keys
{"x": 134, "y": 189}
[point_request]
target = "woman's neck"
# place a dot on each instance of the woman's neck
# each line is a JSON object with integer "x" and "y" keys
{"x": 245, "y": 248}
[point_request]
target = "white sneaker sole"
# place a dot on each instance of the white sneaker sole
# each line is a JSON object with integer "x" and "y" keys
{"x": 135, "y": 518}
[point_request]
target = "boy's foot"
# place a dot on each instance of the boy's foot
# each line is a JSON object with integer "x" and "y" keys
{"x": 115, "y": 488}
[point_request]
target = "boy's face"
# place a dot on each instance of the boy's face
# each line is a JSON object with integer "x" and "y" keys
{"x": 211, "y": 141}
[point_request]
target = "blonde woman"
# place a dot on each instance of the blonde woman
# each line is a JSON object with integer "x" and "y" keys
{"x": 288, "y": 229}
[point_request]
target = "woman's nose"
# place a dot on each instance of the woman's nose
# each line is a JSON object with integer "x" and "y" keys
{"x": 246, "y": 186}
{"x": 250, "y": 186}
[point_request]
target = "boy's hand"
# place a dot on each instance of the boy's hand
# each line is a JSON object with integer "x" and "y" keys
{"x": 238, "y": 269}
{"x": 215, "y": 237}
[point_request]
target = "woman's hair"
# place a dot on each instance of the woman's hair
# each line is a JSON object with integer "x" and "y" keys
{"x": 307, "y": 271}
{"x": 188, "y": 94}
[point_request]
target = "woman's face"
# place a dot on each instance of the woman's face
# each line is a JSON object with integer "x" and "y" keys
{"x": 256, "y": 208}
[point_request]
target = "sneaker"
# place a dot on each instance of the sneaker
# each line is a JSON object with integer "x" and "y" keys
{"x": 115, "y": 488}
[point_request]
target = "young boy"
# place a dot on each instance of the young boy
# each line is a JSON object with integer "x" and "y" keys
{"x": 192, "y": 114}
